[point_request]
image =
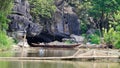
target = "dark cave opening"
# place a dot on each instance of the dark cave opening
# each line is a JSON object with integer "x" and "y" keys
{"x": 46, "y": 38}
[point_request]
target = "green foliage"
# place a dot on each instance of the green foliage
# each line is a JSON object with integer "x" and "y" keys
{"x": 104, "y": 6}
{"x": 117, "y": 44}
{"x": 94, "y": 39}
{"x": 83, "y": 28}
{"x": 112, "y": 37}
{"x": 5, "y": 9}
{"x": 4, "y": 21}
{"x": 6, "y": 6}
{"x": 115, "y": 29}
{"x": 68, "y": 42}
{"x": 43, "y": 8}
{"x": 5, "y": 41}
{"x": 104, "y": 13}
{"x": 109, "y": 36}
{"x": 116, "y": 41}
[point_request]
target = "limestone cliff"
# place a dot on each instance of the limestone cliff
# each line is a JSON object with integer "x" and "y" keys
{"x": 21, "y": 20}
{"x": 65, "y": 19}
{"x": 65, "y": 22}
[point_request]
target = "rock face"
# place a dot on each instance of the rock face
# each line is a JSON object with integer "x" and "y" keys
{"x": 66, "y": 20}
{"x": 21, "y": 20}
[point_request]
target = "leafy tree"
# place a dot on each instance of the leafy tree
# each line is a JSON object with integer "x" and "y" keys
{"x": 103, "y": 10}
{"x": 42, "y": 8}
{"x": 101, "y": 13}
{"x": 114, "y": 35}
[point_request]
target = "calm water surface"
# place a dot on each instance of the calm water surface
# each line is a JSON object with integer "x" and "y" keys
{"x": 39, "y": 52}
{"x": 56, "y": 64}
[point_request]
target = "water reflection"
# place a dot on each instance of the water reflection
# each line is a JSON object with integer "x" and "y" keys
{"x": 42, "y": 52}
{"x": 56, "y": 64}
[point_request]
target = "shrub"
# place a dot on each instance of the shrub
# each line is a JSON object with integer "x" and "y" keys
{"x": 94, "y": 39}
{"x": 5, "y": 41}
{"x": 112, "y": 37}
{"x": 108, "y": 36}
{"x": 116, "y": 43}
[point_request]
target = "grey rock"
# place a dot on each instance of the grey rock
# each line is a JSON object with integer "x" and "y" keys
{"x": 78, "y": 39}
{"x": 21, "y": 20}
{"x": 66, "y": 19}
{"x": 58, "y": 2}
{"x": 91, "y": 31}
{"x": 17, "y": 1}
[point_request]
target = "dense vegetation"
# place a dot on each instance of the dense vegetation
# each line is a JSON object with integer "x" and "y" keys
{"x": 101, "y": 15}
{"x": 5, "y": 9}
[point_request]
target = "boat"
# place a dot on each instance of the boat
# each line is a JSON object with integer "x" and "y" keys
{"x": 55, "y": 46}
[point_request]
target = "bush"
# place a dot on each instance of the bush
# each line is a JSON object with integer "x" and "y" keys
{"x": 5, "y": 41}
{"x": 116, "y": 43}
{"x": 112, "y": 37}
{"x": 94, "y": 39}
{"x": 108, "y": 36}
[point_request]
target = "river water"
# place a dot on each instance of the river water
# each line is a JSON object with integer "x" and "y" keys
{"x": 56, "y": 64}
{"x": 40, "y": 52}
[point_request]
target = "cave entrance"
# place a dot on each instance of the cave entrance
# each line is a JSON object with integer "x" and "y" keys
{"x": 46, "y": 38}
